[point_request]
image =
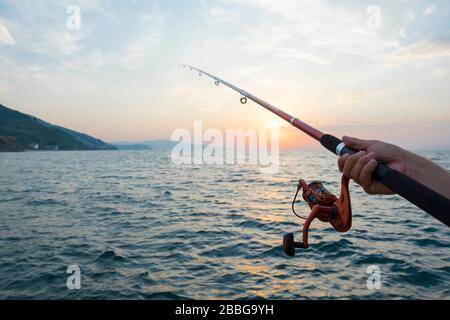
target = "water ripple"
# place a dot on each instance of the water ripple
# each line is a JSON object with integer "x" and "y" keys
{"x": 140, "y": 227}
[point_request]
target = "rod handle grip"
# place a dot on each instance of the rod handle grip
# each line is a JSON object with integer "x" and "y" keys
{"x": 418, "y": 194}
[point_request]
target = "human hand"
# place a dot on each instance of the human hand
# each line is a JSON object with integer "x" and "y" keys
{"x": 360, "y": 166}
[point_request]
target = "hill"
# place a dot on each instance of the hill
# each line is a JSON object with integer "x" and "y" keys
{"x": 21, "y": 132}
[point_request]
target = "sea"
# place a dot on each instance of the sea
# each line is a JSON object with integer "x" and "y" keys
{"x": 134, "y": 225}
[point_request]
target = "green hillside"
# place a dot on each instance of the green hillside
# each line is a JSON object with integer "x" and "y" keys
{"x": 20, "y": 132}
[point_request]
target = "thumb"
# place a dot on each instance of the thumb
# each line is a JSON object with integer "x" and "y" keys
{"x": 356, "y": 143}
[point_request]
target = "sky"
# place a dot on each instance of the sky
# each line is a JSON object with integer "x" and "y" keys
{"x": 373, "y": 69}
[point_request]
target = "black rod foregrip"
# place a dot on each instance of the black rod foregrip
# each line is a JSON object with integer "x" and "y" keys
{"x": 423, "y": 197}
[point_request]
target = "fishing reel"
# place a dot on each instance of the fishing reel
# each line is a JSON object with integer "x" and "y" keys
{"x": 324, "y": 206}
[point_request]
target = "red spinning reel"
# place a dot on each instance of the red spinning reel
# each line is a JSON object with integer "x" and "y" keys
{"x": 324, "y": 206}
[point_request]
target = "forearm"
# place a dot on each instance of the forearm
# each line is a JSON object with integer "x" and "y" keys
{"x": 428, "y": 173}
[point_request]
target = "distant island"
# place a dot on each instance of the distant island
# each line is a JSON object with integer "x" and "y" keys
{"x": 22, "y": 132}
{"x": 145, "y": 145}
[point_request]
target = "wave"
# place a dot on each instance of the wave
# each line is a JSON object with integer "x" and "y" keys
{"x": 163, "y": 296}
{"x": 110, "y": 256}
{"x": 46, "y": 202}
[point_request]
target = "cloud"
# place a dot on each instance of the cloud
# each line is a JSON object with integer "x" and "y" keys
{"x": 441, "y": 73}
{"x": 40, "y": 25}
{"x": 315, "y": 31}
{"x": 57, "y": 42}
{"x": 141, "y": 47}
{"x": 138, "y": 51}
{"x": 5, "y": 36}
{"x": 360, "y": 96}
{"x": 315, "y": 51}
{"x": 292, "y": 53}
{"x": 5, "y": 87}
{"x": 429, "y": 48}
{"x": 429, "y": 10}
{"x": 219, "y": 14}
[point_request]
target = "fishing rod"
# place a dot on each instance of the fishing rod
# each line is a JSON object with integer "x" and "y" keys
{"x": 325, "y": 206}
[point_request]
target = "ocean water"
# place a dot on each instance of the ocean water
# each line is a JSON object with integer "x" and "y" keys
{"x": 140, "y": 227}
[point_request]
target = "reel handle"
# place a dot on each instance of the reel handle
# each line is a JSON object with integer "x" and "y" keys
{"x": 289, "y": 244}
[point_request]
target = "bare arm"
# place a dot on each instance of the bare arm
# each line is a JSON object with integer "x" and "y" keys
{"x": 360, "y": 166}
